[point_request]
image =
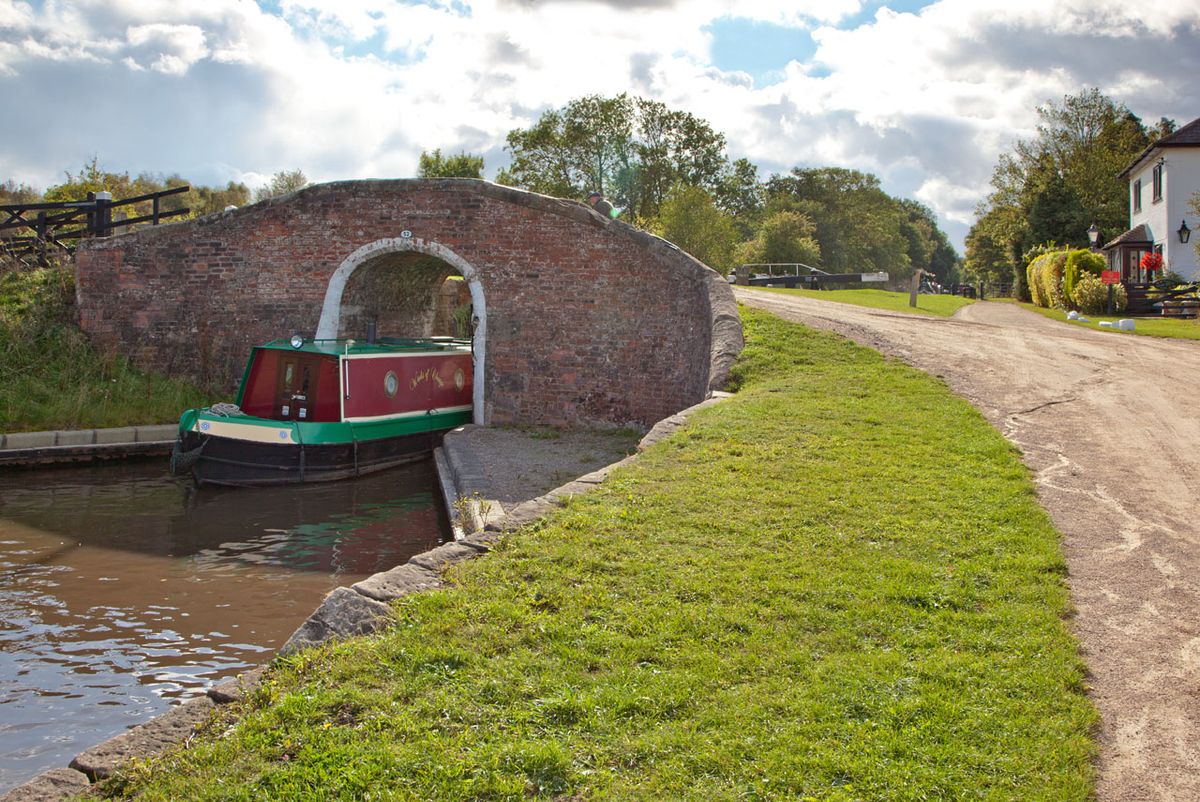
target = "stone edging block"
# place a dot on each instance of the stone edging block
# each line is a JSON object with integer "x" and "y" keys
{"x": 235, "y": 690}
{"x": 343, "y": 614}
{"x": 145, "y": 740}
{"x": 50, "y": 786}
{"x": 400, "y": 581}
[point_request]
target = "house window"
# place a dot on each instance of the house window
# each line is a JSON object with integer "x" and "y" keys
{"x": 1158, "y": 182}
{"x": 1137, "y": 195}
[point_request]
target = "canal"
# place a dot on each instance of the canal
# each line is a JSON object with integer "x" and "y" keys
{"x": 124, "y": 590}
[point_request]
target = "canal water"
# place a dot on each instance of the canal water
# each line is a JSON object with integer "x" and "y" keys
{"x": 124, "y": 590}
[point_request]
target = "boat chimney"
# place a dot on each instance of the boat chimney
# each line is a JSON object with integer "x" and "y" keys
{"x": 370, "y": 331}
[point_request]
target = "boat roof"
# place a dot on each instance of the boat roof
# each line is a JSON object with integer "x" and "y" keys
{"x": 383, "y": 345}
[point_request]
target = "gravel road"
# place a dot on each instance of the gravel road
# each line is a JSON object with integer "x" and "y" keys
{"x": 1108, "y": 423}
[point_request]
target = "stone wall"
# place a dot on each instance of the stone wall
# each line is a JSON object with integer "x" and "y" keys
{"x": 588, "y": 320}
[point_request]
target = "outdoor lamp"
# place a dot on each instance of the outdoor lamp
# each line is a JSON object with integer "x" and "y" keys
{"x": 1184, "y": 233}
{"x": 1093, "y": 235}
{"x": 297, "y": 341}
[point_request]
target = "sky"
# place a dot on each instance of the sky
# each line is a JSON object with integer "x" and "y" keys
{"x": 925, "y": 95}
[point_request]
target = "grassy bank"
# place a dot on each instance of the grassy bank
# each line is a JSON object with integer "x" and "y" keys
{"x": 835, "y": 586}
{"x": 52, "y": 378}
{"x": 1146, "y": 326}
{"x": 940, "y": 305}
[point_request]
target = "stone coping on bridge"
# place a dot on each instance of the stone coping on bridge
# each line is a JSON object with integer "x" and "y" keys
{"x": 81, "y": 445}
{"x": 363, "y": 608}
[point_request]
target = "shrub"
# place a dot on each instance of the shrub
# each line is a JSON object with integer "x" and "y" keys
{"x": 1045, "y": 279}
{"x": 1035, "y": 294}
{"x": 1079, "y": 261}
{"x": 1091, "y": 295}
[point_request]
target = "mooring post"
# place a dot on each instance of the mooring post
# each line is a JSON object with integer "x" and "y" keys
{"x": 102, "y": 215}
{"x": 916, "y": 285}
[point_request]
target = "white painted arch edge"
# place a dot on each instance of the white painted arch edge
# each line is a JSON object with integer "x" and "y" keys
{"x": 331, "y": 308}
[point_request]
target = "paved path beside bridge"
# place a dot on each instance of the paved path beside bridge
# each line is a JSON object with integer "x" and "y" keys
{"x": 1109, "y": 424}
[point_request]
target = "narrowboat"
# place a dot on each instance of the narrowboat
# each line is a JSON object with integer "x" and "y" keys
{"x": 317, "y": 410}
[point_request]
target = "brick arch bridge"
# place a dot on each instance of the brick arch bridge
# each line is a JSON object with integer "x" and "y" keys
{"x": 579, "y": 319}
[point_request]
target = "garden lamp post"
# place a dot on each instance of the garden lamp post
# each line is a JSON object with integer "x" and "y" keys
{"x": 1093, "y": 235}
{"x": 1184, "y": 233}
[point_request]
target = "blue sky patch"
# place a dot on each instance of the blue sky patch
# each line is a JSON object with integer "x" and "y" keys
{"x": 758, "y": 48}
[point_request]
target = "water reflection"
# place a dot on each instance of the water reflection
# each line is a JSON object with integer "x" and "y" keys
{"x": 122, "y": 588}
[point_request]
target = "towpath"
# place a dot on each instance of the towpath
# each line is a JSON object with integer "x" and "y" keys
{"x": 1109, "y": 425}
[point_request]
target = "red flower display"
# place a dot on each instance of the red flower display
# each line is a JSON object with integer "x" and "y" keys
{"x": 1152, "y": 261}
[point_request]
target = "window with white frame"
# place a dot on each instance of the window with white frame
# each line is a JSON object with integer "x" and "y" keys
{"x": 1137, "y": 195}
{"x": 1158, "y": 172}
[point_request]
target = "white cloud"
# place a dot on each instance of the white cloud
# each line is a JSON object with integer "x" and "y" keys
{"x": 223, "y": 90}
{"x": 174, "y": 48}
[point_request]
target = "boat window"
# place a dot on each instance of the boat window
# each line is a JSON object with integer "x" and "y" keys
{"x": 288, "y": 375}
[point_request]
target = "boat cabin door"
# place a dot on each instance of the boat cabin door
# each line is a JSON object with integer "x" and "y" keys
{"x": 296, "y": 387}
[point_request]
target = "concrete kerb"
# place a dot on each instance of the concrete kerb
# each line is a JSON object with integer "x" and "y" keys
{"x": 81, "y": 445}
{"x": 360, "y": 609}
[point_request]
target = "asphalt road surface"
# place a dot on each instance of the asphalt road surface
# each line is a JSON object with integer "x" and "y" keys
{"x": 1109, "y": 424}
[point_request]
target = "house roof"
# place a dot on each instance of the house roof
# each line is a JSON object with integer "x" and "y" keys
{"x": 1138, "y": 235}
{"x": 1187, "y": 136}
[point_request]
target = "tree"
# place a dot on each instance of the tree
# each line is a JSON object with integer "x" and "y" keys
{"x": 1054, "y": 186}
{"x": 690, "y": 219}
{"x": 858, "y": 225}
{"x": 12, "y": 192}
{"x": 740, "y": 194}
{"x": 282, "y": 183}
{"x": 784, "y": 237}
{"x": 632, "y": 150}
{"x": 460, "y": 165}
{"x": 207, "y": 200}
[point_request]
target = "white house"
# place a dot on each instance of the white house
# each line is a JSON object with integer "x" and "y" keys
{"x": 1162, "y": 181}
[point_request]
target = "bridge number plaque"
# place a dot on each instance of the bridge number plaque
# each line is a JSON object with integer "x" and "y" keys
{"x": 406, "y": 234}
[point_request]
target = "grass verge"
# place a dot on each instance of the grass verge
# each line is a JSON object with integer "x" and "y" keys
{"x": 52, "y": 378}
{"x": 837, "y": 585}
{"x": 940, "y": 305}
{"x": 1146, "y": 326}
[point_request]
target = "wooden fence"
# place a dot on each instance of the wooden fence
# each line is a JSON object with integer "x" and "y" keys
{"x": 30, "y": 231}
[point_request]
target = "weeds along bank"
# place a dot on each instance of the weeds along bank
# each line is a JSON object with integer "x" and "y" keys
{"x": 837, "y": 585}
{"x": 52, "y": 378}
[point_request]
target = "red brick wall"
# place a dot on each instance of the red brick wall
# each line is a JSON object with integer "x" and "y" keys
{"x": 588, "y": 320}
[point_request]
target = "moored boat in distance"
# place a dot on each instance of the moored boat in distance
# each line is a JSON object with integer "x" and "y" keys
{"x": 318, "y": 410}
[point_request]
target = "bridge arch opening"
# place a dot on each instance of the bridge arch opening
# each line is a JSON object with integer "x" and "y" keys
{"x": 409, "y": 288}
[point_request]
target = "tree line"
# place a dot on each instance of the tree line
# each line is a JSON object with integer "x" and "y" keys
{"x": 1047, "y": 191}
{"x": 667, "y": 171}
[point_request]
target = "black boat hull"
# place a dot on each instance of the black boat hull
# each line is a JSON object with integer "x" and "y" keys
{"x": 215, "y": 460}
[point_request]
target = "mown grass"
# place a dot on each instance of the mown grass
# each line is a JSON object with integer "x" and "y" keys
{"x": 52, "y": 378}
{"x": 837, "y": 585}
{"x": 1145, "y": 326}
{"x": 940, "y": 305}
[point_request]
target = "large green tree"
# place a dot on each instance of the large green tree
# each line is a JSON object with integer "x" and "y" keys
{"x": 857, "y": 224}
{"x": 630, "y": 149}
{"x": 282, "y": 183}
{"x": 1052, "y": 187}
{"x": 690, "y": 219}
